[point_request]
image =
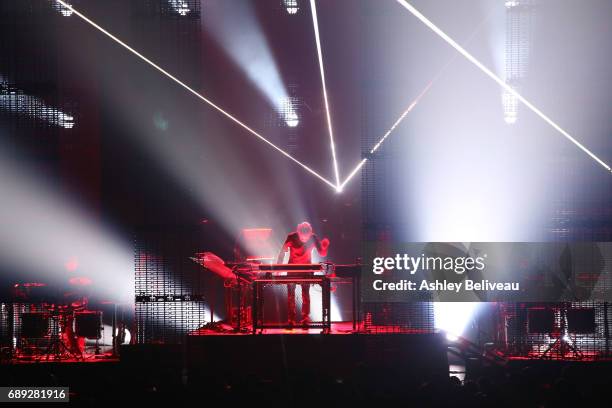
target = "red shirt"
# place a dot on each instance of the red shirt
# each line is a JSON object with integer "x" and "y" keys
{"x": 301, "y": 252}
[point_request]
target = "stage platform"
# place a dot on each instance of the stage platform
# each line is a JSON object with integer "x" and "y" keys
{"x": 274, "y": 368}
{"x": 220, "y": 329}
{"x": 280, "y": 367}
{"x": 337, "y": 328}
{"x": 392, "y": 362}
{"x": 297, "y": 348}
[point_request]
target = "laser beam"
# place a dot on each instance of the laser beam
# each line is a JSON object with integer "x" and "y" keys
{"x": 352, "y": 173}
{"x": 402, "y": 116}
{"x": 412, "y": 105}
{"x": 388, "y": 132}
{"x": 315, "y": 23}
{"x": 195, "y": 93}
{"x": 499, "y": 81}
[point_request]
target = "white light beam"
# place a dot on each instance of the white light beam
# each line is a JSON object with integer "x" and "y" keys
{"x": 387, "y": 133}
{"x": 499, "y": 81}
{"x": 315, "y": 23}
{"x": 209, "y": 102}
{"x": 352, "y": 173}
{"x": 405, "y": 113}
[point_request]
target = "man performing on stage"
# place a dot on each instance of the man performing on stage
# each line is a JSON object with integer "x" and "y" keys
{"x": 300, "y": 245}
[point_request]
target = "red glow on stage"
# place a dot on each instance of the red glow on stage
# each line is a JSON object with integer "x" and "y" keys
{"x": 72, "y": 264}
{"x": 80, "y": 281}
{"x": 259, "y": 258}
{"x": 255, "y": 244}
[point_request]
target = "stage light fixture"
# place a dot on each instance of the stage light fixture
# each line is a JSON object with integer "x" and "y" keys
{"x": 288, "y": 111}
{"x": 253, "y": 55}
{"x": 198, "y": 95}
{"x": 62, "y": 9}
{"x": 315, "y": 23}
{"x": 517, "y": 54}
{"x": 291, "y": 6}
{"x": 180, "y": 7}
{"x": 499, "y": 81}
{"x": 13, "y": 100}
{"x": 292, "y": 120}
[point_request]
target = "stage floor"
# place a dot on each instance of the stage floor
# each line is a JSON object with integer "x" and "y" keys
{"x": 337, "y": 328}
{"x": 222, "y": 329}
{"x": 272, "y": 367}
{"x": 70, "y": 360}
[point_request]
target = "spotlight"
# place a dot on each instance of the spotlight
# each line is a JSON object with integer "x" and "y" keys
{"x": 292, "y": 120}
{"x": 517, "y": 54}
{"x": 199, "y": 96}
{"x": 453, "y": 317}
{"x": 123, "y": 338}
{"x": 15, "y": 101}
{"x": 180, "y": 7}
{"x": 451, "y": 337}
{"x": 288, "y": 111}
{"x": 66, "y": 239}
{"x": 64, "y": 9}
{"x": 498, "y": 80}
{"x": 291, "y": 6}
{"x": 65, "y": 121}
{"x": 252, "y": 54}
